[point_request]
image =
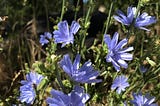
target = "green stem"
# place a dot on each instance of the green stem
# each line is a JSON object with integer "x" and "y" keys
{"x": 130, "y": 88}
{"x": 85, "y": 24}
{"x": 86, "y": 87}
{"x": 137, "y": 9}
{"x": 142, "y": 42}
{"x": 157, "y": 70}
{"x": 106, "y": 29}
{"x": 62, "y": 12}
{"x": 59, "y": 80}
{"x": 83, "y": 41}
{"x": 108, "y": 21}
{"x": 115, "y": 75}
{"x": 111, "y": 99}
{"x": 157, "y": 9}
{"x": 109, "y": 17}
{"x": 76, "y": 10}
{"x": 88, "y": 13}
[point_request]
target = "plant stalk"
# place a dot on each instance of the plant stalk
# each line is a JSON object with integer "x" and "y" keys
{"x": 62, "y": 12}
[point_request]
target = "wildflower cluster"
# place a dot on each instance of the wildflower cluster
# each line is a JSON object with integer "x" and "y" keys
{"x": 83, "y": 74}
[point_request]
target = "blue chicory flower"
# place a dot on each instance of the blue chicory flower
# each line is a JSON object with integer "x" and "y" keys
{"x": 27, "y": 94}
{"x": 44, "y": 39}
{"x": 126, "y": 20}
{"x": 32, "y": 78}
{"x": 125, "y": 103}
{"x": 144, "y": 20}
{"x": 140, "y": 22}
{"x": 77, "y": 97}
{"x": 116, "y": 53}
{"x": 85, "y": 74}
{"x": 64, "y": 35}
{"x": 27, "y": 90}
{"x": 143, "y": 69}
{"x": 120, "y": 83}
{"x": 143, "y": 100}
